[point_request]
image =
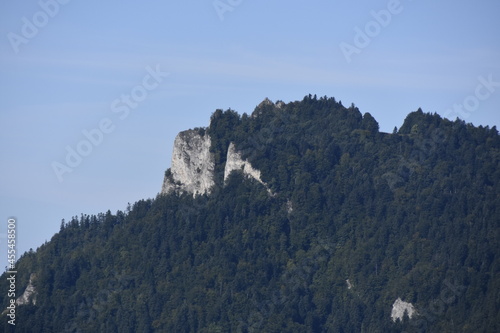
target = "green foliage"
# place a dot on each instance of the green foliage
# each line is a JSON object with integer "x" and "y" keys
{"x": 412, "y": 214}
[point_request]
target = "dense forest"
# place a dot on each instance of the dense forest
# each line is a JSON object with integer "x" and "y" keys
{"x": 354, "y": 219}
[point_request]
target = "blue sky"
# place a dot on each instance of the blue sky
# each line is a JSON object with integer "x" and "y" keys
{"x": 67, "y": 67}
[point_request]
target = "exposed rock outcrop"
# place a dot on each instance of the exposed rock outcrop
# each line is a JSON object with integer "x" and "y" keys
{"x": 266, "y": 102}
{"x": 192, "y": 168}
{"x": 349, "y": 284}
{"x": 29, "y": 295}
{"x": 234, "y": 162}
{"x": 399, "y": 308}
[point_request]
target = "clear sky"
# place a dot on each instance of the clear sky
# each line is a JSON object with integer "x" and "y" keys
{"x": 115, "y": 81}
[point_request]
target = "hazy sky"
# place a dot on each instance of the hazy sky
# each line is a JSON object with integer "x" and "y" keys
{"x": 115, "y": 81}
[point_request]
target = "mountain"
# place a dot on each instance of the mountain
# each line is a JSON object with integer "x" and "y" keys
{"x": 301, "y": 217}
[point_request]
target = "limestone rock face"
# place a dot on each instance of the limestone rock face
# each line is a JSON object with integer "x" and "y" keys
{"x": 29, "y": 295}
{"x": 399, "y": 308}
{"x": 192, "y": 168}
{"x": 235, "y": 162}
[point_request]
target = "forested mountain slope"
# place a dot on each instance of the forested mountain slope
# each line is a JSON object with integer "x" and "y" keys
{"x": 345, "y": 221}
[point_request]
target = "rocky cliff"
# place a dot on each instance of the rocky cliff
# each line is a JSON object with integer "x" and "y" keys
{"x": 234, "y": 162}
{"x": 29, "y": 295}
{"x": 192, "y": 168}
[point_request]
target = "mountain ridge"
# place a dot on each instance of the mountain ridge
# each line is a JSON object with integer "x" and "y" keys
{"x": 362, "y": 227}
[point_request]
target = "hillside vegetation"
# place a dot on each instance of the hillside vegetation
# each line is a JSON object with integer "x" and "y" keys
{"x": 355, "y": 219}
